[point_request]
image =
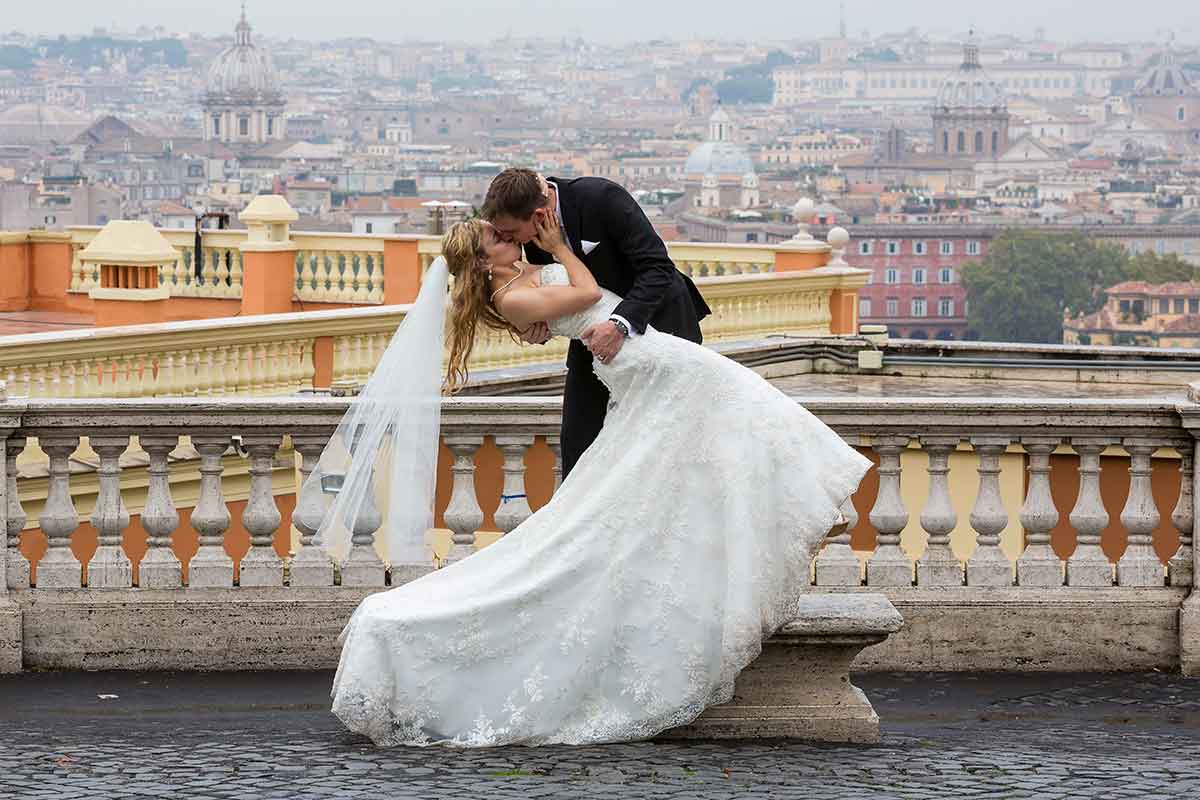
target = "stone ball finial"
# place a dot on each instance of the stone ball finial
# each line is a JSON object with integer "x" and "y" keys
{"x": 838, "y": 238}
{"x": 804, "y": 208}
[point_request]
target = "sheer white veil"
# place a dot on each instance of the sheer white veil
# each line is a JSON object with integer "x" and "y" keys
{"x": 378, "y": 472}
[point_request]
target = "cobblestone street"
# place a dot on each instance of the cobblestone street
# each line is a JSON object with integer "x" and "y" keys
{"x": 269, "y": 735}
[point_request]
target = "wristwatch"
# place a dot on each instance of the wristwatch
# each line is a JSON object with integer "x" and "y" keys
{"x": 621, "y": 326}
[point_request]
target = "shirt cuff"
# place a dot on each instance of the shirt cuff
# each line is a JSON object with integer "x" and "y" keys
{"x": 624, "y": 322}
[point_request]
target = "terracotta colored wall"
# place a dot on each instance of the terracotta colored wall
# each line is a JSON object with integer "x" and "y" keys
{"x": 14, "y": 276}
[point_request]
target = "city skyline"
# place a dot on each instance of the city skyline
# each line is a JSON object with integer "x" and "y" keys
{"x": 482, "y": 20}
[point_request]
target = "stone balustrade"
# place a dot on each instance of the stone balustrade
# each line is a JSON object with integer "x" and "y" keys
{"x": 278, "y": 354}
{"x": 1041, "y": 554}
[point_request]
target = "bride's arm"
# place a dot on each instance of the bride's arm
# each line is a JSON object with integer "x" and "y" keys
{"x": 525, "y": 306}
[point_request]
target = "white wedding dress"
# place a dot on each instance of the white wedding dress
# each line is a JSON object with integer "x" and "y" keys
{"x": 630, "y": 601}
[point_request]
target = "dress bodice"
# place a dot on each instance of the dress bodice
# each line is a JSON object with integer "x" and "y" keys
{"x": 573, "y": 325}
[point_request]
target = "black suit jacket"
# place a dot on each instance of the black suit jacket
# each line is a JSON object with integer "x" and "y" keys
{"x": 629, "y": 259}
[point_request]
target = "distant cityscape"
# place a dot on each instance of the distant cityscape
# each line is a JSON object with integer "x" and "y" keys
{"x": 925, "y": 150}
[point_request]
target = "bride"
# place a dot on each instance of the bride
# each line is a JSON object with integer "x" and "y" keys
{"x": 628, "y": 603}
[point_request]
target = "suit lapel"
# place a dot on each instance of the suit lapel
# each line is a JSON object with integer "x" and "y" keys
{"x": 571, "y": 215}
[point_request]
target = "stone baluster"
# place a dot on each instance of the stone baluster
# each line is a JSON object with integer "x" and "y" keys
{"x": 1139, "y": 564}
{"x": 307, "y": 368}
{"x": 16, "y": 565}
{"x": 1088, "y": 566}
{"x": 261, "y": 566}
{"x": 836, "y": 564}
{"x": 889, "y": 565}
{"x": 555, "y": 444}
{"x": 376, "y": 292}
{"x": 514, "y": 503}
{"x": 938, "y": 565}
{"x": 259, "y": 384}
{"x": 463, "y": 515}
{"x": 160, "y": 567}
{"x": 236, "y": 274}
{"x": 211, "y": 567}
{"x": 987, "y": 565}
{"x": 220, "y": 370}
{"x": 1038, "y": 565}
{"x": 110, "y": 567}
{"x": 311, "y": 565}
{"x": 1180, "y": 566}
{"x": 59, "y": 569}
{"x": 363, "y": 566}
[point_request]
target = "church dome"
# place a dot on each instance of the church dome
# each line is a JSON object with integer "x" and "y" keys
{"x": 1165, "y": 79}
{"x": 242, "y": 72}
{"x": 969, "y": 88}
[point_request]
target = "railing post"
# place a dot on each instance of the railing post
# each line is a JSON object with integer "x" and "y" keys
{"x": 261, "y": 566}
{"x": 463, "y": 515}
{"x": 11, "y": 640}
{"x": 1189, "y": 613}
{"x": 401, "y": 271}
{"x": 211, "y": 567}
{"x": 889, "y": 565}
{"x": 836, "y": 564}
{"x": 14, "y": 563}
{"x": 1038, "y": 565}
{"x": 110, "y": 567}
{"x": 988, "y": 566}
{"x": 311, "y": 565}
{"x": 58, "y": 568}
{"x": 937, "y": 566}
{"x": 268, "y": 256}
{"x": 160, "y": 567}
{"x": 514, "y": 505}
{"x": 1181, "y": 566}
{"x": 1139, "y": 564}
{"x": 1088, "y": 566}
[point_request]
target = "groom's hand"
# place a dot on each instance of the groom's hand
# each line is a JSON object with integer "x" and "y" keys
{"x": 604, "y": 339}
{"x": 537, "y": 333}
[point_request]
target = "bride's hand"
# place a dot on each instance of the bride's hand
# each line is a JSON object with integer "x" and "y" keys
{"x": 549, "y": 235}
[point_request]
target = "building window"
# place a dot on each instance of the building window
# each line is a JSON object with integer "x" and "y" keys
{"x": 947, "y": 248}
{"x": 216, "y": 124}
{"x": 919, "y": 276}
{"x": 864, "y": 248}
{"x": 962, "y": 141}
{"x": 978, "y": 141}
{"x": 1124, "y": 306}
{"x": 891, "y": 276}
{"x": 945, "y": 141}
{"x": 893, "y": 307}
{"x": 918, "y": 307}
{"x": 751, "y": 237}
{"x": 893, "y": 248}
{"x": 370, "y": 227}
{"x": 946, "y": 307}
{"x": 946, "y": 275}
{"x": 1180, "y": 114}
{"x": 972, "y": 248}
{"x": 1164, "y": 306}
{"x": 919, "y": 248}
{"x": 864, "y": 306}
{"x": 270, "y": 126}
{"x": 1178, "y": 305}
{"x": 1194, "y": 305}
{"x": 243, "y": 126}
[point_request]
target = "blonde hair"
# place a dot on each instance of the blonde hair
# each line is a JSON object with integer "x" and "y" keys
{"x": 470, "y": 303}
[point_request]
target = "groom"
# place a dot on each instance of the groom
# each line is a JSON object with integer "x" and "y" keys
{"x": 609, "y": 233}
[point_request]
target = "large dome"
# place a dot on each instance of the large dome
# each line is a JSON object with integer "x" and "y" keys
{"x": 1165, "y": 79}
{"x": 242, "y": 72}
{"x": 720, "y": 158}
{"x": 969, "y": 88}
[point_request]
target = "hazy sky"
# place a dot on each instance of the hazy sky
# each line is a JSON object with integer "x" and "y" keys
{"x": 609, "y": 20}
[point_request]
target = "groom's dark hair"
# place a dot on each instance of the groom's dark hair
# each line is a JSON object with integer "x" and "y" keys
{"x": 516, "y": 192}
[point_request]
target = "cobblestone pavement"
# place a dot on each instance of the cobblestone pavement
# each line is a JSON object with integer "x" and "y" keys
{"x": 269, "y": 735}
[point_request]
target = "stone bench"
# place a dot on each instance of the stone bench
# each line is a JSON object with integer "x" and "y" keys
{"x": 799, "y": 687}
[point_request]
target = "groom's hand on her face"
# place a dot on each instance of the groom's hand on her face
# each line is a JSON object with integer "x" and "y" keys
{"x": 604, "y": 340}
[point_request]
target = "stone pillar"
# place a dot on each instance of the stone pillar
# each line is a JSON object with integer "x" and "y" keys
{"x": 268, "y": 256}
{"x": 1189, "y": 613}
{"x": 128, "y": 255}
{"x": 802, "y": 251}
{"x": 10, "y": 612}
{"x": 401, "y": 271}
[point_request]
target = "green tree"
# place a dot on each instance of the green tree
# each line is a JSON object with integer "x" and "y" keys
{"x": 1018, "y": 292}
{"x": 1153, "y": 268}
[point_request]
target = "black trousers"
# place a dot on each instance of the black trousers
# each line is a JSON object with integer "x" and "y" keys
{"x": 585, "y": 399}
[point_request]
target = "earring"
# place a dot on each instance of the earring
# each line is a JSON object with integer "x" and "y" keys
{"x": 489, "y": 272}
